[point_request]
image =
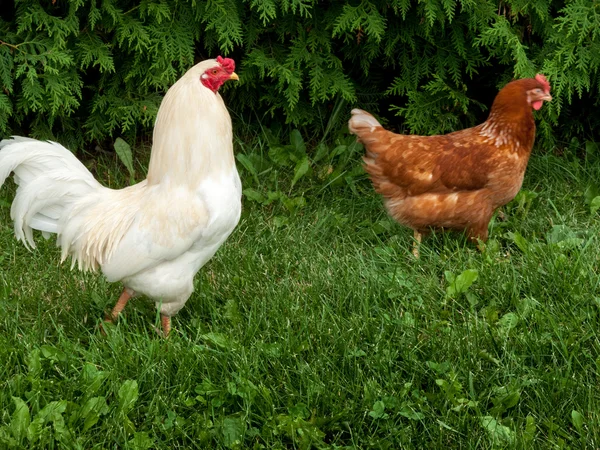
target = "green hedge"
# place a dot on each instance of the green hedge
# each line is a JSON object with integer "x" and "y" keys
{"x": 102, "y": 66}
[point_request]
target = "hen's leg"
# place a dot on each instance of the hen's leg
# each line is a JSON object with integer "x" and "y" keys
{"x": 480, "y": 217}
{"x": 120, "y": 305}
{"x": 417, "y": 243}
{"x": 479, "y": 234}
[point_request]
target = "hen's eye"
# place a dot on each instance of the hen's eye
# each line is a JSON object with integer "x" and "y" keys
{"x": 215, "y": 71}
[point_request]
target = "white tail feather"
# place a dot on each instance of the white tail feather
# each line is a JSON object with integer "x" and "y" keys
{"x": 50, "y": 180}
{"x": 45, "y": 224}
{"x": 362, "y": 120}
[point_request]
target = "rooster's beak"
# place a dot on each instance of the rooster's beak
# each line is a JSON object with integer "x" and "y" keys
{"x": 234, "y": 76}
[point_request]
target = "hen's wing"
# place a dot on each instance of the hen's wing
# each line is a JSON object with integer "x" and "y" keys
{"x": 454, "y": 162}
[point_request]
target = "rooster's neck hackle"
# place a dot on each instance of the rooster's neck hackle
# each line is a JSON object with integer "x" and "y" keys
{"x": 192, "y": 135}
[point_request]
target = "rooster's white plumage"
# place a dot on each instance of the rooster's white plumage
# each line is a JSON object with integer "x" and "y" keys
{"x": 153, "y": 236}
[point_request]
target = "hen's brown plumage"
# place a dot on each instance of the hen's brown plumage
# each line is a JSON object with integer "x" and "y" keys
{"x": 455, "y": 180}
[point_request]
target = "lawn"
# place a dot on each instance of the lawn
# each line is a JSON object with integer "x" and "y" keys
{"x": 315, "y": 327}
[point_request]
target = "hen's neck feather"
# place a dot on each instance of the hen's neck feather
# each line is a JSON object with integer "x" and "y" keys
{"x": 192, "y": 135}
{"x": 510, "y": 123}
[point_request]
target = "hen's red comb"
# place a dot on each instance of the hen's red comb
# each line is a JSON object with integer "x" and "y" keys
{"x": 543, "y": 81}
{"x": 227, "y": 63}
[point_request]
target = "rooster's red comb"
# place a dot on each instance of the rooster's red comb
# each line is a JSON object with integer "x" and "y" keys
{"x": 543, "y": 81}
{"x": 227, "y": 63}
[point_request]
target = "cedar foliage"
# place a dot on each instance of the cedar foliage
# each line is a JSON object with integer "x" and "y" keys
{"x": 83, "y": 71}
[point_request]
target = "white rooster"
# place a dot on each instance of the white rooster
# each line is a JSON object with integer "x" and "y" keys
{"x": 153, "y": 236}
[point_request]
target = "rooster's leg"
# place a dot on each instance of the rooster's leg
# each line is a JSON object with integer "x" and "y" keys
{"x": 120, "y": 305}
{"x": 417, "y": 244}
{"x": 166, "y": 324}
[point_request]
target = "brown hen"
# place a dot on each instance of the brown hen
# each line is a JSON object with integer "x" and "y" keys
{"x": 457, "y": 180}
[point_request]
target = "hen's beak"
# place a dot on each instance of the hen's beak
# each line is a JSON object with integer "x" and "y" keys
{"x": 546, "y": 97}
{"x": 234, "y": 76}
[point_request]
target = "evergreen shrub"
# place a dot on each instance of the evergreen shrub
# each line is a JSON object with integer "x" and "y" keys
{"x": 84, "y": 71}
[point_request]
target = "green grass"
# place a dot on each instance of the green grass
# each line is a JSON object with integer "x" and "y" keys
{"x": 318, "y": 329}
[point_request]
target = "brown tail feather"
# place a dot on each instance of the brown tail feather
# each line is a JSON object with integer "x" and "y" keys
{"x": 368, "y": 131}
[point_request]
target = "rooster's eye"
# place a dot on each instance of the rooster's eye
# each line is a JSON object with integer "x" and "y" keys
{"x": 214, "y": 71}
